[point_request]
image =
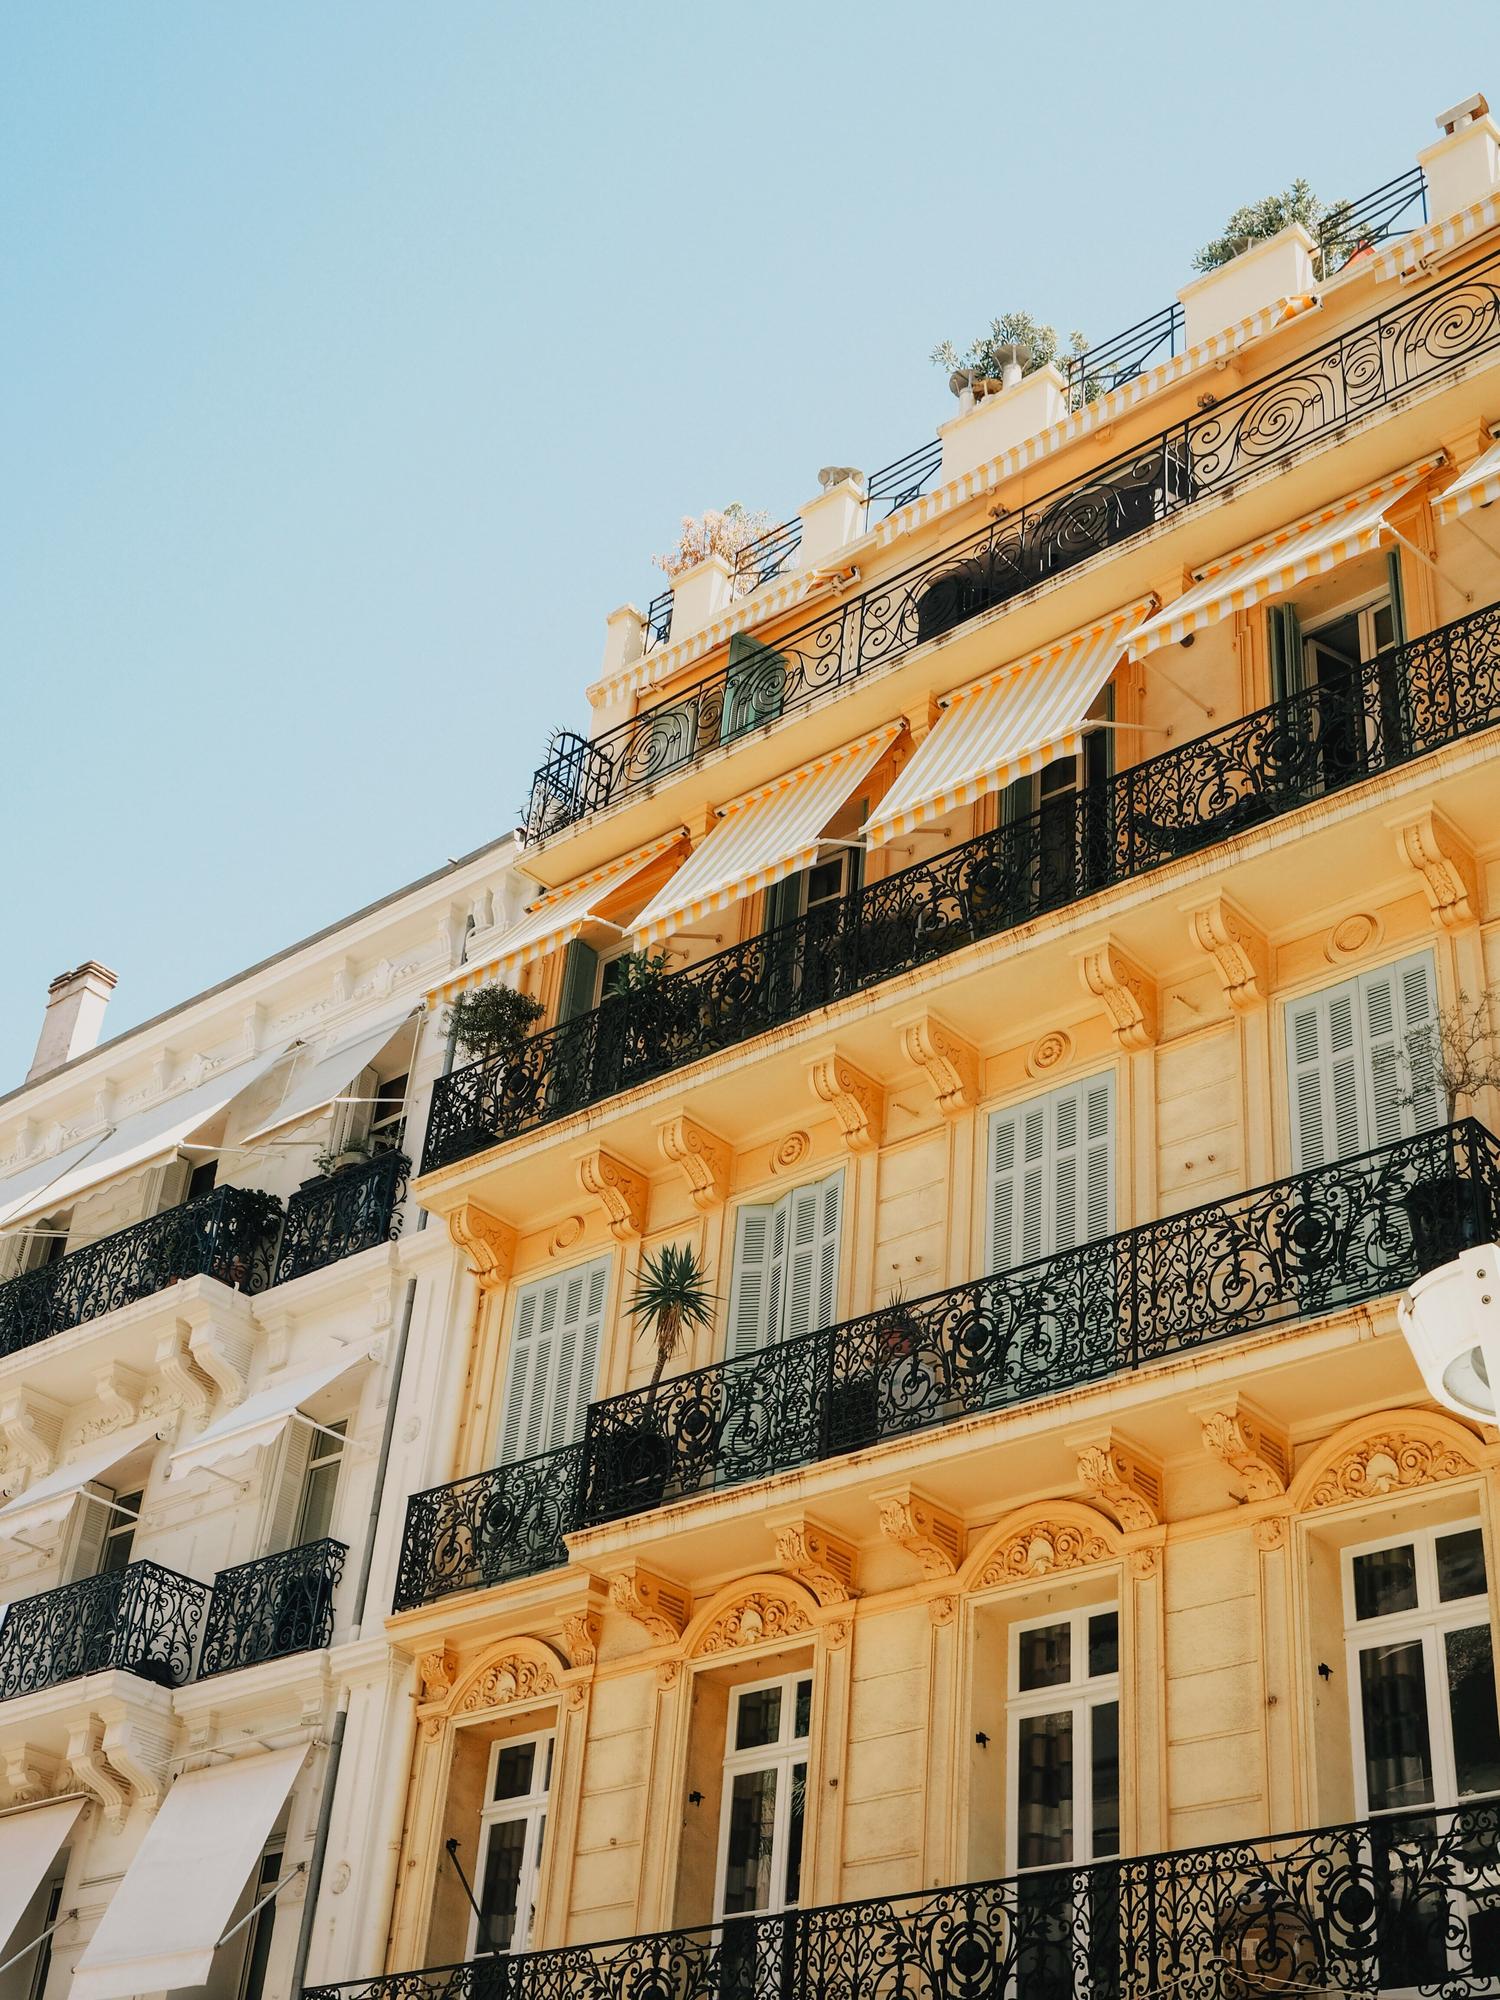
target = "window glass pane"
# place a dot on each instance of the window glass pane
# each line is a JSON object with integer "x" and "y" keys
{"x": 513, "y": 1769}
{"x": 794, "y": 1835}
{"x": 1471, "y": 1703}
{"x": 1104, "y": 1643}
{"x": 757, "y": 1719}
{"x": 747, "y": 1864}
{"x": 1385, "y": 1581}
{"x": 1104, "y": 1777}
{"x": 1044, "y": 1790}
{"x": 119, "y": 1536}
{"x": 1460, "y": 1565}
{"x": 1398, "y": 1747}
{"x": 802, "y": 1721}
{"x": 1045, "y": 1657}
{"x": 504, "y": 1850}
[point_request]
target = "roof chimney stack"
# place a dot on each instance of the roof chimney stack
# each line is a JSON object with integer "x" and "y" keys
{"x": 75, "y": 1013}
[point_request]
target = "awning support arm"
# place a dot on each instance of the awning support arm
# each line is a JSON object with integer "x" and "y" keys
{"x": 269, "y": 1897}
{"x": 484, "y": 1929}
{"x": 40, "y": 1938}
{"x": 1186, "y": 693}
{"x": 1423, "y": 557}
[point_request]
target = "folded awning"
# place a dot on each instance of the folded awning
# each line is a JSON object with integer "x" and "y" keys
{"x": 999, "y": 728}
{"x": 260, "y": 1420}
{"x": 149, "y": 1135}
{"x": 28, "y": 1188}
{"x": 769, "y": 833}
{"x": 163, "y": 1924}
{"x": 324, "y": 1073}
{"x": 553, "y": 920}
{"x": 1478, "y": 486}
{"x": 47, "y": 1501}
{"x": 1336, "y": 534}
{"x": 29, "y": 1841}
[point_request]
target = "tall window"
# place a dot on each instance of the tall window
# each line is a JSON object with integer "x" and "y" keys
{"x": 1052, "y": 1175}
{"x": 553, "y": 1359}
{"x": 1360, "y": 1059}
{"x": 1063, "y": 1756}
{"x": 119, "y": 1534}
{"x": 257, "y": 1933}
{"x": 1422, "y": 1675}
{"x": 786, "y": 1266}
{"x": 512, "y": 1826}
{"x": 320, "y": 1482}
{"x": 765, "y": 1797}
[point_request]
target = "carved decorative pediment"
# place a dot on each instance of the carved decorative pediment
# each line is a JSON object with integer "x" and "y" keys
{"x": 512, "y": 1678}
{"x": 620, "y": 1190}
{"x": 759, "y": 1616}
{"x": 1389, "y": 1460}
{"x": 487, "y": 1242}
{"x": 704, "y": 1158}
{"x": 951, "y": 1063}
{"x": 857, "y": 1100}
{"x": 1066, "y": 1536}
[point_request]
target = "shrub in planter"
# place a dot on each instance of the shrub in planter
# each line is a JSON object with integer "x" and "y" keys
{"x": 490, "y": 1023}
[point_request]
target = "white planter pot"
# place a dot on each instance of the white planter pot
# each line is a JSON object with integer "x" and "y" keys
{"x": 1451, "y": 1322}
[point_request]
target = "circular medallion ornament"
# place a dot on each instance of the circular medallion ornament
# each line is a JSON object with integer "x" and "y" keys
{"x": 790, "y": 1152}
{"x": 1351, "y": 935}
{"x": 1053, "y": 1049}
{"x": 565, "y": 1235}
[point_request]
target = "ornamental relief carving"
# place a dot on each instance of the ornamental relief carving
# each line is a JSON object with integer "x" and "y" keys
{"x": 1045, "y": 1548}
{"x": 1388, "y": 1462}
{"x": 760, "y": 1616}
{"x": 514, "y": 1678}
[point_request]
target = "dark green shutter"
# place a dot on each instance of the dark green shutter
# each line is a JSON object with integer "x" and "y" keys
{"x": 1398, "y": 601}
{"x": 580, "y": 978}
{"x": 784, "y": 901}
{"x": 1288, "y": 670}
{"x": 754, "y": 686}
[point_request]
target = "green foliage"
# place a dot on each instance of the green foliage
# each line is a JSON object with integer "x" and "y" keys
{"x": 981, "y": 356}
{"x": 492, "y": 1021}
{"x": 671, "y": 1297}
{"x": 639, "y": 970}
{"x": 330, "y": 1158}
{"x": 1259, "y": 219}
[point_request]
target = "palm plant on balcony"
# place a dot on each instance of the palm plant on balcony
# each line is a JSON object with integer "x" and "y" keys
{"x": 671, "y": 1301}
{"x": 1459, "y": 1057}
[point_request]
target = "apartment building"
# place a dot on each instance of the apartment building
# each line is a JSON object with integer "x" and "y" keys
{"x": 1051, "y": 1570}
{"x": 212, "y": 1281}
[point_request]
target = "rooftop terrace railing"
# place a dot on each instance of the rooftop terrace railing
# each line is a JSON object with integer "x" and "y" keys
{"x": 1404, "y": 1903}
{"x": 1402, "y": 705}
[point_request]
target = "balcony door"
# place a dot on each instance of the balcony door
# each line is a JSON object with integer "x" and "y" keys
{"x": 553, "y": 1359}
{"x": 1360, "y": 1063}
{"x": 786, "y": 1266}
{"x": 1065, "y": 806}
{"x": 512, "y": 1827}
{"x": 1051, "y": 1173}
{"x": 764, "y": 1804}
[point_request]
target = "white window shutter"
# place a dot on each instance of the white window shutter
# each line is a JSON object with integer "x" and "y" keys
{"x": 521, "y": 1384}
{"x": 1349, "y": 1051}
{"x": 750, "y": 1283}
{"x": 1052, "y": 1177}
{"x": 1324, "y": 1065}
{"x": 813, "y": 1261}
{"x": 1099, "y": 1157}
{"x": 1413, "y": 987}
{"x": 579, "y": 1361}
{"x": 826, "y": 1292}
{"x": 91, "y": 1520}
{"x": 554, "y": 1358}
{"x": 291, "y": 1484}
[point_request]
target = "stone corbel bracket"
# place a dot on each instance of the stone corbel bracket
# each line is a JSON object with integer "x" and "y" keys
{"x": 30, "y": 1773}
{"x": 487, "y": 1242}
{"x": 856, "y": 1100}
{"x": 660, "y": 1607}
{"x": 1128, "y": 993}
{"x": 182, "y": 1383}
{"x": 1238, "y": 948}
{"x": 1430, "y": 843}
{"x": 1250, "y": 1445}
{"x": 221, "y": 1339}
{"x": 1125, "y": 1479}
{"x": 816, "y": 1557}
{"x": 951, "y": 1063}
{"x": 620, "y": 1189}
{"x": 31, "y": 1428}
{"x": 704, "y": 1158}
{"x": 139, "y": 1749}
{"x": 925, "y": 1530}
{"x": 86, "y": 1769}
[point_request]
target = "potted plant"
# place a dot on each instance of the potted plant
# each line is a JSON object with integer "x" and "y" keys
{"x": 726, "y": 532}
{"x": 854, "y": 1401}
{"x": 670, "y": 1302}
{"x": 1450, "y": 1212}
{"x": 491, "y": 1022}
{"x": 350, "y": 1152}
{"x": 1329, "y": 222}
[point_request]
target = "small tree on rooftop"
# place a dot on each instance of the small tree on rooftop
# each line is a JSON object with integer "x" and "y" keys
{"x": 725, "y": 532}
{"x": 670, "y": 1300}
{"x": 491, "y": 1022}
{"x": 982, "y": 356}
{"x": 1258, "y": 220}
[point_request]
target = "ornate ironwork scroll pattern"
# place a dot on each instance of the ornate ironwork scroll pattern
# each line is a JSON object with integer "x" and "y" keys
{"x": 1359, "y": 370}
{"x": 342, "y": 1214}
{"x": 1393, "y": 1904}
{"x": 499, "y": 1524}
{"x": 141, "y": 1620}
{"x": 1401, "y": 705}
{"x": 229, "y": 1235}
{"x": 267, "y": 1609}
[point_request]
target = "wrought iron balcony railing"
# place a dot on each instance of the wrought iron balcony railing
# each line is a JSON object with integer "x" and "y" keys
{"x": 341, "y": 1214}
{"x": 1361, "y": 370}
{"x": 1405, "y": 1903}
{"x": 229, "y": 1235}
{"x": 499, "y": 1524}
{"x": 142, "y": 1620}
{"x": 1402, "y": 705}
{"x": 265, "y": 1610}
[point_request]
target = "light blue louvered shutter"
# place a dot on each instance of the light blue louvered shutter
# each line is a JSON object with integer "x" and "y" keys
{"x": 750, "y": 1284}
{"x": 1399, "y": 1015}
{"x": 578, "y": 1339}
{"x": 1082, "y": 1143}
{"x": 1018, "y": 1184}
{"x": 812, "y": 1257}
{"x": 1325, "y": 1085}
{"x": 553, "y": 1359}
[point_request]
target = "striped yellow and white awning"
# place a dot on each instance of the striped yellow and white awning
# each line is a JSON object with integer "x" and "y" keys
{"x": 1478, "y": 486}
{"x": 553, "y": 920}
{"x": 1001, "y": 727}
{"x": 769, "y": 833}
{"x": 1403, "y": 256}
{"x": 1319, "y": 542}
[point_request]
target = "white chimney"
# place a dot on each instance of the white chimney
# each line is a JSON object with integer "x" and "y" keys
{"x": 75, "y": 1013}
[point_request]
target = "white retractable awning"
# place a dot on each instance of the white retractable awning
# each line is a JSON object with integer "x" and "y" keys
{"x": 1005, "y": 725}
{"x": 164, "y": 1921}
{"x": 555, "y": 919}
{"x": 1477, "y": 486}
{"x": 29, "y": 1188}
{"x": 29, "y": 1840}
{"x": 1336, "y": 534}
{"x": 322, "y": 1074}
{"x": 260, "y": 1420}
{"x": 149, "y": 1135}
{"x": 769, "y": 833}
{"x": 47, "y": 1501}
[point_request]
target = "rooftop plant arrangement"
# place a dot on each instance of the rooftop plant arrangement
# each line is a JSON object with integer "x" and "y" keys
{"x": 671, "y": 1298}
{"x": 722, "y": 532}
{"x": 1328, "y": 221}
{"x": 983, "y": 356}
{"x": 491, "y": 1022}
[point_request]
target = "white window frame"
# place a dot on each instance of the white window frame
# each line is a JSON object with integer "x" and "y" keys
{"x": 1365, "y": 607}
{"x": 530, "y": 1810}
{"x": 1429, "y": 1622}
{"x": 1080, "y": 1695}
{"x": 781, "y": 1756}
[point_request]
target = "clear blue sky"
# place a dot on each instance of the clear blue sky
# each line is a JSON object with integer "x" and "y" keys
{"x": 357, "y": 357}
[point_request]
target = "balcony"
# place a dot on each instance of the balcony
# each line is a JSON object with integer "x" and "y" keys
{"x": 1402, "y": 705}
{"x": 229, "y": 1235}
{"x": 1312, "y": 1243}
{"x": 341, "y": 1214}
{"x": 271, "y": 1608}
{"x": 142, "y": 1620}
{"x": 1402, "y": 1903}
{"x": 1365, "y": 369}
